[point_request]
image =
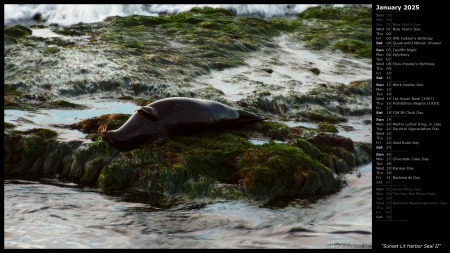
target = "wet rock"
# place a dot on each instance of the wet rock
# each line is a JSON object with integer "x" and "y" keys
{"x": 242, "y": 103}
{"x": 274, "y": 130}
{"x": 37, "y": 17}
{"x": 263, "y": 170}
{"x": 352, "y": 34}
{"x": 277, "y": 104}
{"x": 268, "y": 70}
{"x": 51, "y": 50}
{"x": 347, "y": 128}
{"x": 315, "y": 70}
{"x": 14, "y": 33}
{"x": 324, "y": 115}
{"x": 189, "y": 164}
{"x": 97, "y": 124}
{"x": 333, "y": 140}
{"x": 327, "y": 127}
{"x": 203, "y": 39}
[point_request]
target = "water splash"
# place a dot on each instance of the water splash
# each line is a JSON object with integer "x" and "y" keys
{"x": 68, "y": 14}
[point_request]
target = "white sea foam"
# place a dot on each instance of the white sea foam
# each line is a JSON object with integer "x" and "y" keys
{"x": 67, "y": 14}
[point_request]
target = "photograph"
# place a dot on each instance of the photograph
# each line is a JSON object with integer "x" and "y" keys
{"x": 188, "y": 126}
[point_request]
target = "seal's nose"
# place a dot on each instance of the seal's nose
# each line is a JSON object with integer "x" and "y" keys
{"x": 106, "y": 135}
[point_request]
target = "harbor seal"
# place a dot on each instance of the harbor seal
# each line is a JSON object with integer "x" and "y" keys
{"x": 176, "y": 115}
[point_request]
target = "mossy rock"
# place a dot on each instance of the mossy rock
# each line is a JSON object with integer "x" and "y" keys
{"x": 274, "y": 130}
{"x": 97, "y": 124}
{"x": 279, "y": 170}
{"x": 7, "y": 125}
{"x": 320, "y": 13}
{"x": 354, "y": 46}
{"x": 25, "y": 152}
{"x": 363, "y": 88}
{"x": 204, "y": 39}
{"x": 15, "y": 32}
{"x": 41, "y": 132}
{"x": 216, "y": 164}
{"x": 117, "y": 175}
{"x": 347, "y": 29}
{"x": 210, "y": 10}
{"x": 315, "y": 70}
{"x": 321, "y": 116}
{"x": 309, "y": 149}
{"x": 332, "y": 140}
{"x": 69, "y": 31}
{"x": 80, "y": 163}
{"x": 331, "y": 13}
{"x": 92, "y": 170}
{"x": 327, "y": 127}
{"x": 66, "y": 104}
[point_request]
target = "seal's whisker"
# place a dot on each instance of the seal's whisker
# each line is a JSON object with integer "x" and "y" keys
{"x": 104, "y": 127}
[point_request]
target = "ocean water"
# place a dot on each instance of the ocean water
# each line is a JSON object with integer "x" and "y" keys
{"x": 67, "y": 14}
{"x": 52, "y": 214}
{"x": 55, "y": 214}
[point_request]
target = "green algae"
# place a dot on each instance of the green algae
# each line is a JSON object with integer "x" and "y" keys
{"x": 275, "y": 130}
{"x": 55, "y": 156}
{"x": 51, "y": 50}
{"x": 179, "y": 47}
{"x": 354, "y": 46}
{"x": 25, "y": 151}
{"x": 41, "y": 132}
{"x": 325, "y": 116}
{"x": 348, "y": 29}
{"x": 217, "y": 33}
{"x": 315, "y": 70}
{"x": 79, "y": 164}
{"x": 11, "y": 34}
{"x": 216, "y": 11}
{"x": 65, "y": 104}
{"x": 12, "y": 97}
{"x": 327, "y": 103}
{"x": 116, "y": 175}
{"x": 15, "y": 98}
{"x": 311, "y": 150}
{"x": 340, "y": 152}
{"x": 213, "y": 155}
{"x": 10, "y": 104}
{"x": 214, "y": 165}
{"x": 97, "y": 124}
{"x": 355, "y": 14}
{"x": 7, "y": 125}
{"x": 327, "y": 127}
{"x": 265, "y": 171}
{"x": 362, "y": 88}
{"x": 21, "y": 100}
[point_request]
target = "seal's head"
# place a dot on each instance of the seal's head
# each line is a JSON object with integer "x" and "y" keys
{"x": 119, "y": 141}
{"x": 108, "y": 136}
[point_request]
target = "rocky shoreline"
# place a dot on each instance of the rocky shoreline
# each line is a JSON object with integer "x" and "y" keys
{"x": 142, "y": 59}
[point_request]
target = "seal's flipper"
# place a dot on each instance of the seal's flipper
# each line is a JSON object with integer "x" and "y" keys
{"x": 149, "y": 112}
{"x": 247, "y": 117}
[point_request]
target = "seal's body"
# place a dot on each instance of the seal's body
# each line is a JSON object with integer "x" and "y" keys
{"x": 176, "y": 115}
